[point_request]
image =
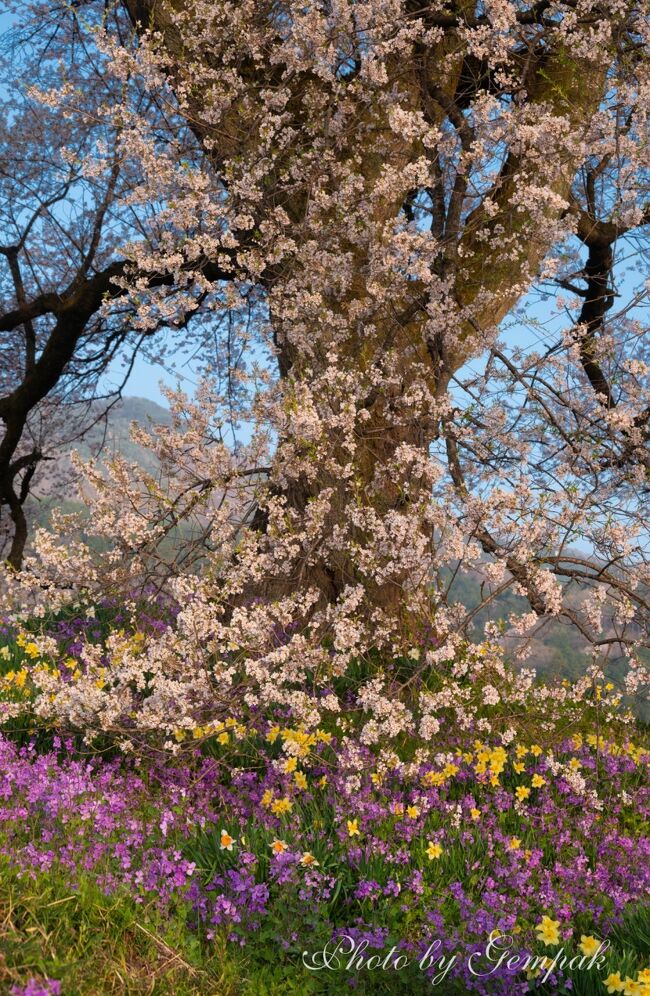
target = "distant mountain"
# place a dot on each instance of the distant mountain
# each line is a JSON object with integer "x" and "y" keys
{"x": 558, "y": 650}
{"x": 56, "y": 484}
{"x": 111, "y": 436}
{"x": 105, "y": 440}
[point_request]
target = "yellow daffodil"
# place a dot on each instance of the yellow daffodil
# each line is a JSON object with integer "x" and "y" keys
{"x": 226, "y": 841}
{"x": 300, "y": 779}
{"x": 588, "y": 944}
{"x": 514, "y": 844}
{"x": 533, "y": 973}
{"x": 536, "y": 750}
{"x": 538, "y": 781}
{"x": 522, "y": 793}
{"x": 548, "y": 930}
{"x": 353, "y": 828}
{"x": 433, "y": 851}
{"x": 412, "y": 812}
{"x": 281, "y": 806}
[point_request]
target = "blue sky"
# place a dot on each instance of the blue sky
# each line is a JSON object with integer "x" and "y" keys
{"x": 145, "y": 379}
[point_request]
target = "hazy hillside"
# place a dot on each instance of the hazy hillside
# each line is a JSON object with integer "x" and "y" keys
{"x": 114, "y": 437}
{"x": 109, "y": 437}
{"x": 558, "y": 650}
{"x": 56, "y": 486}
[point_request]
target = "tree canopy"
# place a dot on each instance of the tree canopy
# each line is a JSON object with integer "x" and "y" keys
{"x": 414, "y": 230}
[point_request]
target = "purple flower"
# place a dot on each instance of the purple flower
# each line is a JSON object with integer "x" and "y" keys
{"x": 38, "y": 987}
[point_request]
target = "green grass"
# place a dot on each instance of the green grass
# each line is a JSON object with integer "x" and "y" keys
{"x": 96, "y": 944}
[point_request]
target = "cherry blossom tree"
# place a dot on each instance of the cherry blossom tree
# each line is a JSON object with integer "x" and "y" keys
{"x": 391, "y": 188}
{"x": 56, "y": 255}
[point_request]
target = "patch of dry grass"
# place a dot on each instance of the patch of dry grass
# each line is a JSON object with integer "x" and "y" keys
{"x": 98, "y": 945}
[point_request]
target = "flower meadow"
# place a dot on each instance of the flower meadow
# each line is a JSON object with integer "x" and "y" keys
{"x": 269, "y": 714}
{"x": 259, "y": 855}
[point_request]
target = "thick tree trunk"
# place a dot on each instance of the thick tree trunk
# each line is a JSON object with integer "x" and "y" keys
{"x": 374, "y": 485}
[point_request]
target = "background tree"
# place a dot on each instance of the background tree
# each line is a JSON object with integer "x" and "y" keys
{"x": 58, "y": 241}
{"x": 66, "y": 182}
